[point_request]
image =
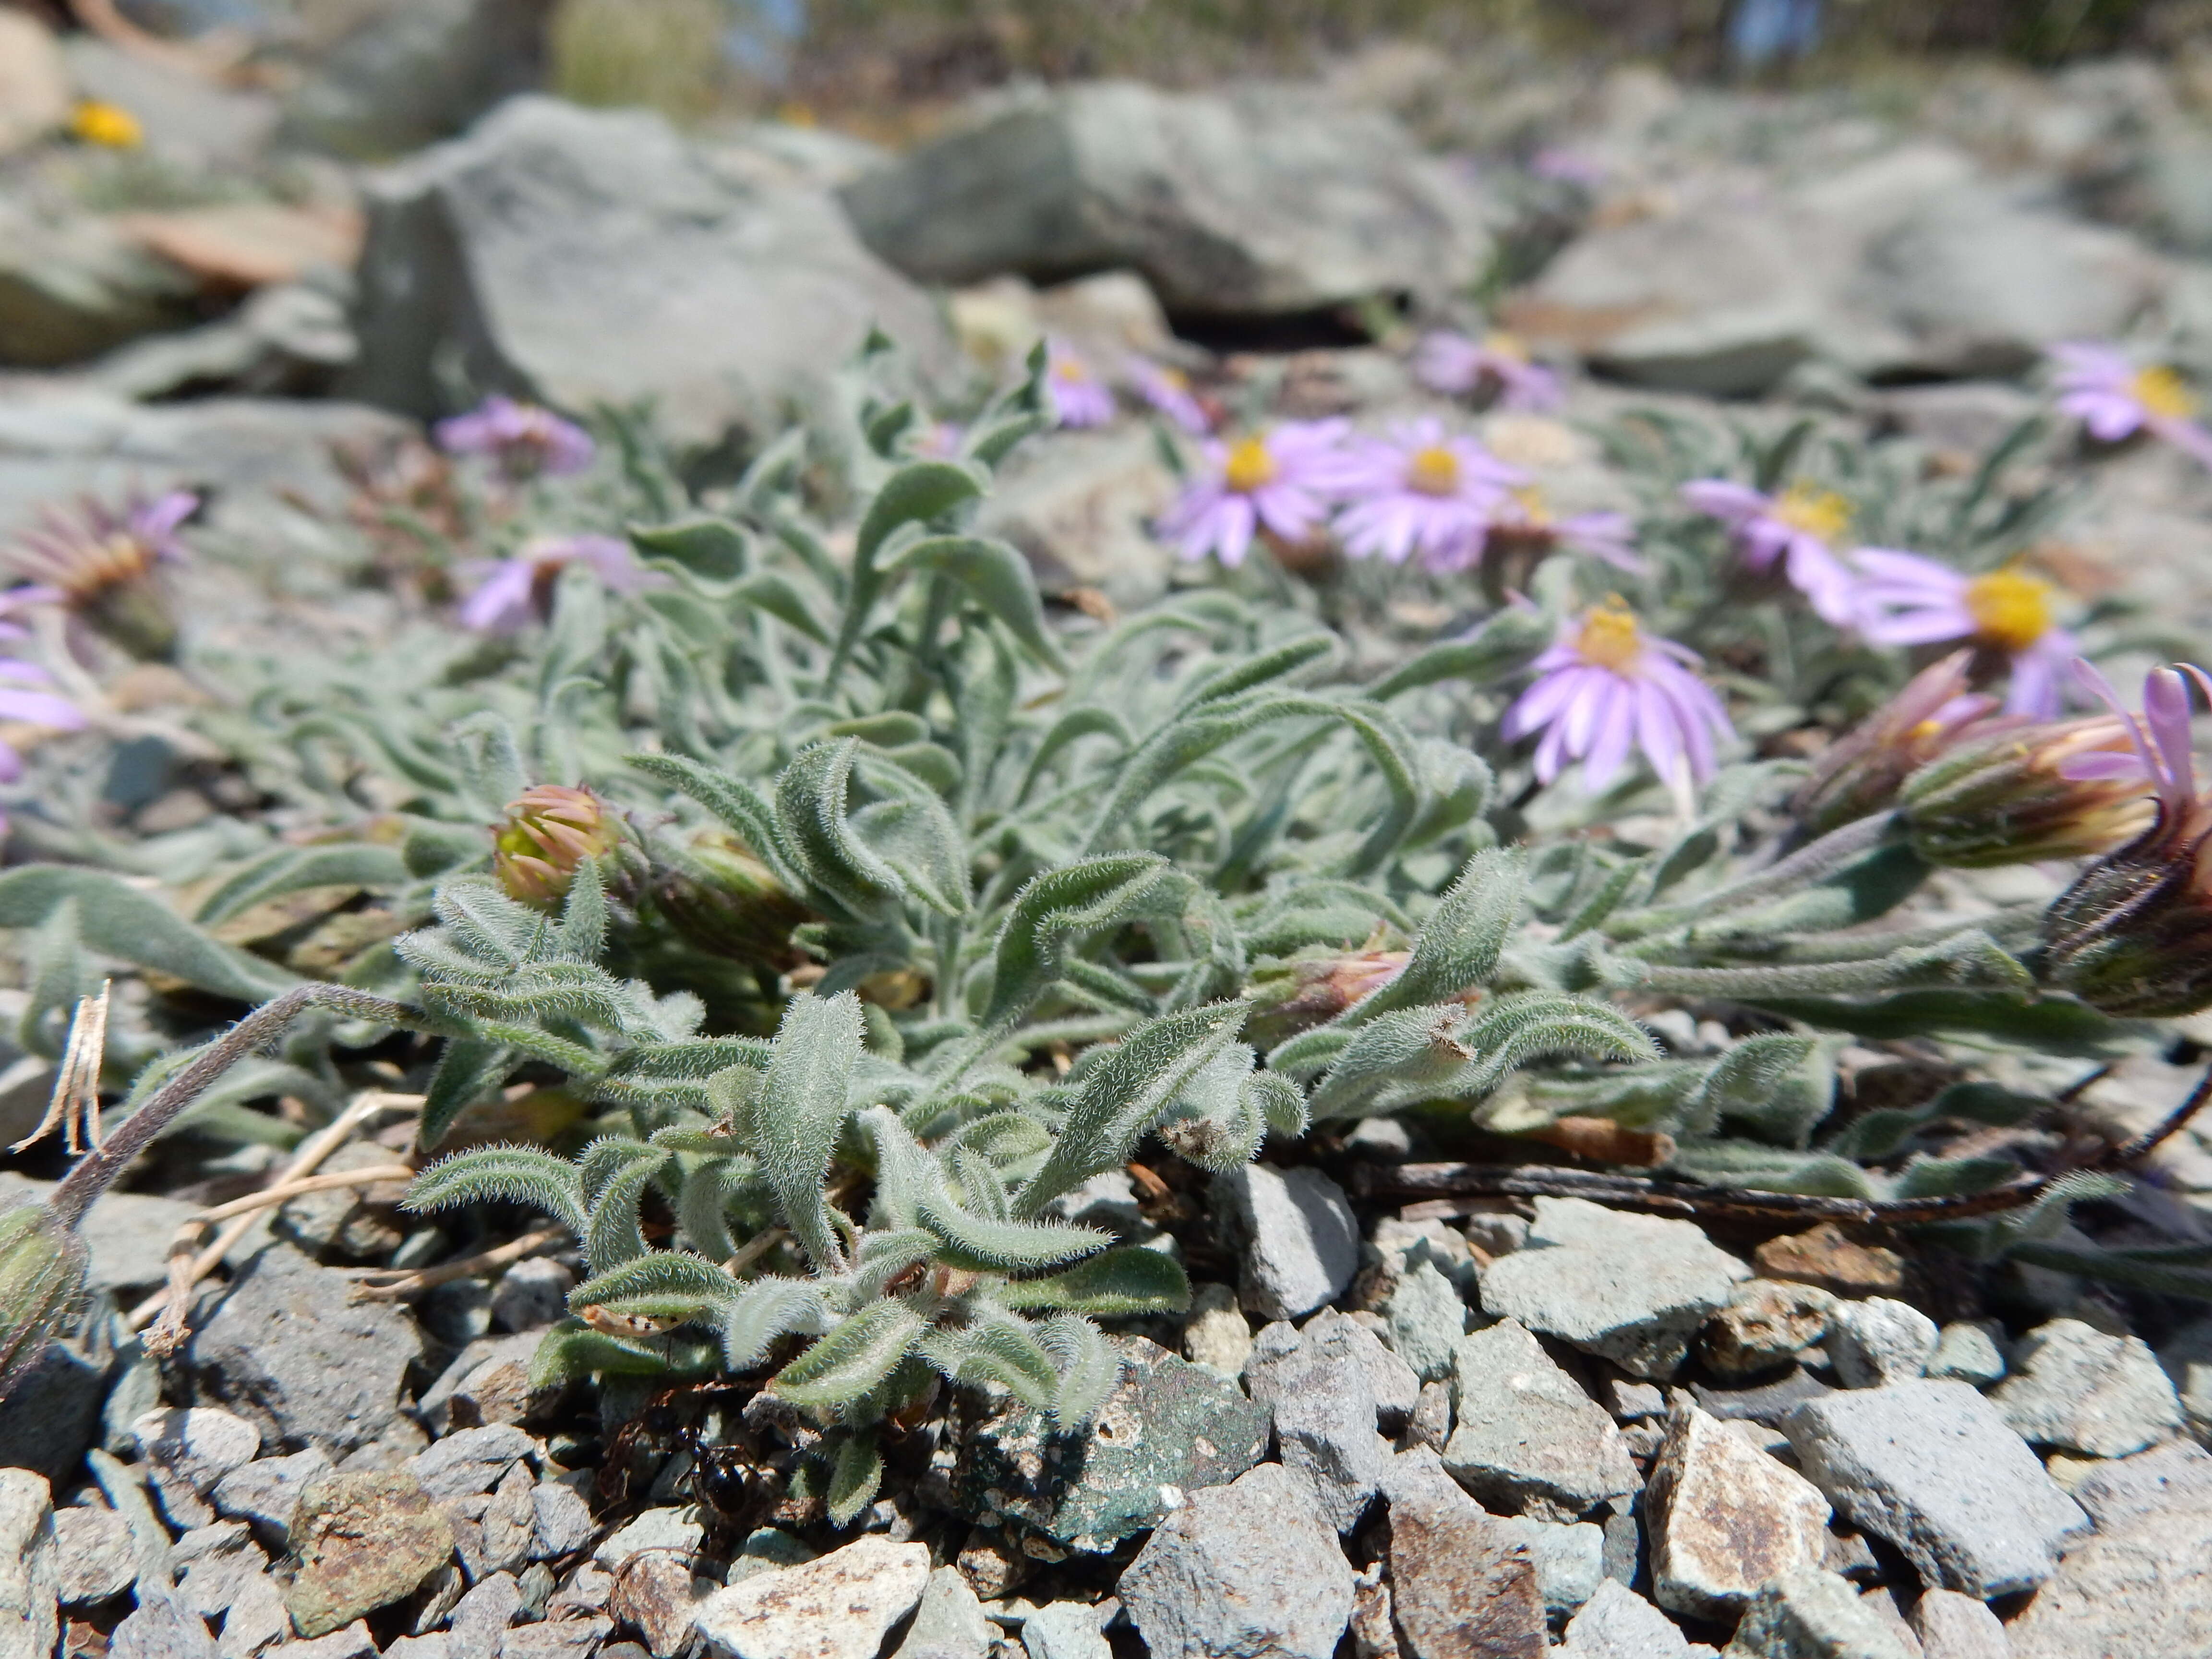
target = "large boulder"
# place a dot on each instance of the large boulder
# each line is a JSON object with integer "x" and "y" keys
{"x": 391, "y": 75}
{"x": 583, "y": 257}
{"x": 1257, "y": 201}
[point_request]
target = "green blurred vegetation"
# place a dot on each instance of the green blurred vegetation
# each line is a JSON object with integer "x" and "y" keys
{"x": 664, "y": 54}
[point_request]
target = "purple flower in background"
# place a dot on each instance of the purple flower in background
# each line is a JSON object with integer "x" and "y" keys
{"x": 1799, "y": 528}
{"x": 1168, "y": 390}
{"x": 2114, "y": 399}
{"x": 512, "y": 591}
{"x": 524, "y": 439}
{"x": 1523, "y": 523}
{"x": 1278, "y": 481}
{"x": 1458, "y": 367}
{"x": 21, "y": 699}
{"x": 78, "y": 555}
{"x": 1568, "y": 167}
{"x": 1904, "y": 599}
{"x": 1079, "y": 398}
{"x": 1419, "y": 492}
{"x": 1603, "y": 687}
{"x": 937, "y": 440}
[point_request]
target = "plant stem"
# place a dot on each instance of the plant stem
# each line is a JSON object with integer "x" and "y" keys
{"x": 1801, "y": 869}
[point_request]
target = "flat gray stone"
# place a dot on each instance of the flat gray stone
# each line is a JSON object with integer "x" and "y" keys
{"x": 563, "y": 1522}
{"x": 2176, "y": 1476}
{"x": 397, "y": 76}
{"x": 187, "y": 1451}
{"x": 1724, "y": 1518}
{"x": 212, "y": 1564}
{"x": 1616, "y": 1623}
{"x": 531, "y": 1295}
{"x": 53, "y": 1414}
{"x": 1879, "y": 1341}
{"x": 479, "y": 1619}
{"x": 1808, "y": 1613}
{"x": 1527, "y": 1437}
{"x": 470, "y": 1460}
{"x": 287, "y": 1350}
{"x": 266, "y": 1492}
{"x": 363, "y": 1541}
{"x": 2076, "y": 1389}
{"x": 1167, "y": 1428}
{"x": 1934, "y": 1468}
{"x": 1324, "y": 1417}
{"x": 160, "y": 1627}
{"x": 1632, "y": 1289}
{"x": 256, "y": 1620}
{"x": 94, "y": 1554}
{"x": 2138, "y": 1587}
{"x": 839, "y": 1607}
{"x": 1955, "y": 1626}
{"x": 29, "y": 1622}
{"x": 1969, "y": 1351}
{"x": 557, "y": 1638}
{"x": 1300, "y": 1240}
{"x": 1427, "y": 1317}
{"x": 1767, "y": 1324}
{"x": 1253, "y": 1567}
{"x": 1569, "y": 1561}
{"x": 654, "y": 1530}
{"x": 949, "y": 1624}
{"x": 1065, "y": 1629}
{"x": 1460, "y": 1584}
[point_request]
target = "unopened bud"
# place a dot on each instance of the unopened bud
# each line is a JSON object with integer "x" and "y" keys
{"x": 2132, "y": 937}
{"x": 2006, "y": 799}
{"x": 725, "y": 900}
{"x": 41, "y": 1273}
{"x": 550, "y": 832}
{"x": 1298, "y": 995}
{"x": 1861, "y": 772}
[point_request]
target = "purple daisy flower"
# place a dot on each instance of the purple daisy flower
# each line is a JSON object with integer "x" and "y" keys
{"x": 21, "y": 699}
{"x": 1278, "y": 481}
{"x": 1604, "y": 686}
{"x": 1168, "y": 390}
{"x": 512, "y": 591}
{"x": 1799, "y": 528}
{"x": 2162, "y": 748}
{"x": 2113, "y": 399}
{"x": 1419, "y": 492}
{"x": 1079, "y": 398}
{"x": 1904, "y": 599}
{"x": 524, "y": 439}
{"x": 1458, "y": 367}
{"x": 1523, "y": 523}
{"x": 78, "y": 555}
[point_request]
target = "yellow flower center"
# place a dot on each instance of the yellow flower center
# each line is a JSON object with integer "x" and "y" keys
{"x": 1609, "y": 638}
{"x": 1534, "y": 516}
{"x": 1068, "y": 369}
{"x": 1815, "y": 511}
{"x": 2164, "y": 393}
{"x": 95, "y": 123}
{"x": 1503, "y": 344}
{"x": 1249, "y": 467}
{"x": 1433, "y": 471}
{"x": 2010, "y": 608}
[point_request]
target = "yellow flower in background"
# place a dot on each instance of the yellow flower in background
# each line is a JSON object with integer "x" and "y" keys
{"x": 109, "y": 125}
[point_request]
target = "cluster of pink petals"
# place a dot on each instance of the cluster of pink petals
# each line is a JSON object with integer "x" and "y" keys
{"x": 1391, "y": 515}
{"x": 1212, "y": 516}
{"x": 1077, "y": 396}
{"x": 524, "y": 439}
{"x": 2102, "y": 388}
{"x": 511, "y": 592}
{"x": 1456, "y": 365}
{"x": 1765, "y": 538}
{"x": 82, "y": 551}
{"x": 1167, "y": 392}
{"x": 2163, "y": 749}
{"x": 1595, "y": 711}
{"x": 1903, "y": 599}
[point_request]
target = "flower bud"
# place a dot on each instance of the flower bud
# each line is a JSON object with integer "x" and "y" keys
{"x": 2006, "y": 799}
{"x": 551, "y": 829}
{"x": 41, "y": 1272}
{"x": 1860, "y": 773}
{"x": 1298, "y": 995}
{"x": 2132, "y": 937}
{"x": 726, "y": 902}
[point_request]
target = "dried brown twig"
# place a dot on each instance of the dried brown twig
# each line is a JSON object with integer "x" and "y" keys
{"x": 400, "y": 1282}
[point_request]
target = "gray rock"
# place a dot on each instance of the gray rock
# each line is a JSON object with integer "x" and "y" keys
{"x": 470, "y": 1460}
{"x": 1427, "y": 1318}
{"x": 288, "y": 1351}
{"x": 1725, "y": 1518}
{"x": 1300, "y": 1240}
{"x": 583, "y": 257}
{"x": 1215, "y": 1332}
{"x": 1065, "y": 1629}
{"x": 256, "y": 1620}
{"x": 124, "y": 1486}
{"x": 127, "y": 1234}
{"x": 1879, "y": 1341}
{"x": 493, "y": 1531}
{"x": 488, "y": 1382}
{"x": 363, "y": 1541}
{"x": 213, "y": 1563}
{"x": 29, "y": 1622}
{"x": 1251, "y": 1567}
{"x": 2078, "y": 1389}
{"x": 187, "y": 1451}
{"x": 1526, "y": 1437}
{"x": 949, "y": 1624}
{"x": 658, "y": 1596}
{"x": 1569, "y": 1561}
{"x": 189, "y": 121}
{"x": 1431, "y": 1424}
{"x": 655, "y": 1529}
{"x": 266, "y": 1492}
{"x": 479, "y": 1619}
{"x": 403, "y": 76}
{"x": 1616, "y": 1623}
{"x": 289, "y": 340}
{"x": 347, "y": 1223}
{"x": 457, "y": 1314}
{"x": 2178, "y": 1475}
{"x": 51, "y": 1413}
{"x": 353, "y": 1642}
{"x": 435, "y": 1645}
{"x": 1807, "y": 1614}
{"x": 1080, "y": 509}
{"x": 2137, "y": 1585}
{"x": 1632, "y": 1402}
{"x": 1955, "y": 1626}
{"x": 94, "y": 1554}
{"x": 531, "y": 1293}
{"x": 1632, "y": 1289}
{"x": 1767, "y": 1323}
{"x": 1324, "y": 1415}
{"x": 837, "y": 1607}
{"x": 160, "y": 1627}
{"x": 1259, "y": 201}
{"x": 1769, "y": 1403}
{"x": 558, "y": 1638}
{"x": 1168, "y": 1428}
{"x": 1460, "y": 1584}
{"x": 1934, "y": 1468}
{"x": 73, "y": 286}
{"x": 564, "y": 1523}
{"x": 1968, "y": 1350}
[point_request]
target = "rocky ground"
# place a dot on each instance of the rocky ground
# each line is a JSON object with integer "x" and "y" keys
{"x": 1441, "y": 1430}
